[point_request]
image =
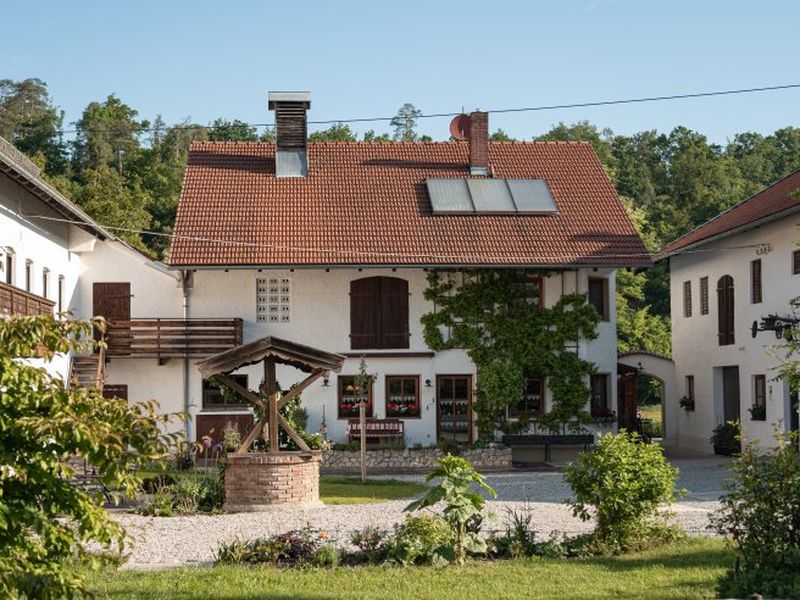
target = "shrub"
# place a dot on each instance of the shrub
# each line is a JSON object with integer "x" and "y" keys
{"x": 624, "y": 483}
{"x": 420, "y": 540}
{"x": 726, "y": 438}
{"x": 370, "y": 543}
{"x": 520, "y": 539}
{"x": 294, "y": 548}
{"x": 327, "y": 556}
{"x": 463, "y": 506}
{"x": 188, "y": 493}
{"x": 761, "y": 513}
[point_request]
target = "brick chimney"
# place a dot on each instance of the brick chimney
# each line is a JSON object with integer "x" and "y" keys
{"x": 291, "y": 132}
{"x": 479, "y": 143}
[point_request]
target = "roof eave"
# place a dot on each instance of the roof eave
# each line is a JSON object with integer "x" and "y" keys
{"x": 553, "y": 266}
{"x": 741, "y": 229}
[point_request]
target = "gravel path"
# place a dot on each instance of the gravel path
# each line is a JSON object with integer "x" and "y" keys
{"x": 175, "y": 541}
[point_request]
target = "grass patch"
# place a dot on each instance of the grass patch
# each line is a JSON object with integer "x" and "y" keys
{"x": 688, "y": 569}
{"x": 653, "y": 413}
{"x": 350, "y": 490}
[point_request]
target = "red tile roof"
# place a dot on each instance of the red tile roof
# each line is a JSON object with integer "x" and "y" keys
{"x": 770, "y": 203}
{"x": 367, "y": 204}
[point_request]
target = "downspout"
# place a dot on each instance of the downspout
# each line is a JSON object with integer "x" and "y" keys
{"x": 187, "y": 283}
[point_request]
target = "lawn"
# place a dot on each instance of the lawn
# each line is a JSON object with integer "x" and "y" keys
{"x": 686, "y": 570}
{"x": 652, "y": 412}
{"x": 350, "y": 490}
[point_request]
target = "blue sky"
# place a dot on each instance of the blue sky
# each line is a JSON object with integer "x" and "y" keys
{"x": 203, "y": 59}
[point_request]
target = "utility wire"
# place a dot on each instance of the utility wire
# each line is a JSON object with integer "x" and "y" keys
{"x": 547, "y": 107}
{"x": 368, "y": 253}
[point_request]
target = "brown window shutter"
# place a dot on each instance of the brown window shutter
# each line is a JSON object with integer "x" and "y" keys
{"x": 365, "y": 313}
{"x": 725, "y": 316}
{"x": 394, "y": 313}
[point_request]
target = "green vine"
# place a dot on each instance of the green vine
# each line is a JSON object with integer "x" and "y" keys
{"x": 494, "y": 315}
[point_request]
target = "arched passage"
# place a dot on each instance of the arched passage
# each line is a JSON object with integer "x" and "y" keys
{"x": 662, "y": 369}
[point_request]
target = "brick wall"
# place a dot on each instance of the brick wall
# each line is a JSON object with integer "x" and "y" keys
{"x": 261, "y": 481}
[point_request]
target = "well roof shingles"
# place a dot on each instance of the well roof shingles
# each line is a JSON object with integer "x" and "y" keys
{"x": 367, "y": 204}
{"x": 771, "y": 201}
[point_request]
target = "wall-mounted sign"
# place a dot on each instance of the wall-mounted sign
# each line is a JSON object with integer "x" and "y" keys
{"x": 763, "y": 249}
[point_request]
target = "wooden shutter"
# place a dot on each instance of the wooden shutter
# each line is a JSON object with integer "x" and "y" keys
{"x": 112, "y": 300}
{"x": 725, "y": 316}
{"x": 756, "y": 290}
{"x": 394, "y": 313}
{"x": 687, "y": 298}
{"x": 365, "y": 313}
{"x": 704, "y": 295}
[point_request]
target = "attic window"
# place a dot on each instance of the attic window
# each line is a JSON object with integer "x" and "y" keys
{"x": 492, "y": 196}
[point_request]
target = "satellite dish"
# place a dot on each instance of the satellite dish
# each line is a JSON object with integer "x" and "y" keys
{"x": 459, "y": 127}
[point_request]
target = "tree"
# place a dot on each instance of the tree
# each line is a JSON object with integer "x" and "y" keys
{"x": 338, "y": 132}
{"x": 29, "y": 120}
{"x": 222, "y": 130}
{"x": 583, "y": 131}
{"x": 44, "y": 519}
{"x": 371, "y": 136}
{"x": 404, "y": 123}
{"x": 501, "y": 136}
{"x": 106, "y": 198}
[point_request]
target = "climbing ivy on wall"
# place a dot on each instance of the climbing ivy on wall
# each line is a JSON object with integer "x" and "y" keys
{"x": 494, "y": 315}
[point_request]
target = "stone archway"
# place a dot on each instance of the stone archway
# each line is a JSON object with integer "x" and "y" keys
{"x": 662, "y": 369}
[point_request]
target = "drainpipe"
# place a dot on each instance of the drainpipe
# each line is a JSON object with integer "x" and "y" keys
{"x": 187, "y": 283}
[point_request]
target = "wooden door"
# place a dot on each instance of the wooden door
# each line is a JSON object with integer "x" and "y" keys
{"x": 112, "y": 300}
{"x": 730, "y": 394}
{"x": 627, "y": 402}
{"x": 454, "y": 408}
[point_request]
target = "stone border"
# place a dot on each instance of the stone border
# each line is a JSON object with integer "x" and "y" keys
{"x": 411, "y": 460}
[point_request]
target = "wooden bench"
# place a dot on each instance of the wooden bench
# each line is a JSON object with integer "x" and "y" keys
{"x": 378, "y": 430}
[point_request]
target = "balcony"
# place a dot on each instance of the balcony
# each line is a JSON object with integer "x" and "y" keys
{"x": 15, "y": 302}
{"x": 172, "y": 338}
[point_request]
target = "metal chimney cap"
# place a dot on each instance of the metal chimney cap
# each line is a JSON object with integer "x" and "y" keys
{"x": 280, "y": 97}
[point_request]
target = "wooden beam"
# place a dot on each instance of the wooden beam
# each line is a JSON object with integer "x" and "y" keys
{"x": 293, "y": 434}
{"x": 274, "y": 445}
{"x": 296, "y": 390}
{"x": 248, "y": 395}
{"x": 251, "y": 437}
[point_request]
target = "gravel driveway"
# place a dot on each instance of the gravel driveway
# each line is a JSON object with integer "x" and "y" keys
{"x": 174, "y": 541}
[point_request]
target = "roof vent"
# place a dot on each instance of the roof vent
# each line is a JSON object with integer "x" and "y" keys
{"x": 291, "y": 151}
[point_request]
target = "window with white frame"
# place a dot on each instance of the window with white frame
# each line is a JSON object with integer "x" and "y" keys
{"x": 273, "y": 299}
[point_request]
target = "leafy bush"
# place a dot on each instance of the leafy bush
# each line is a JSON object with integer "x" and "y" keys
{"x": 370, "y": 543}
{"x": 463, "y": 507}
{"x": 44, "y": 518}
{"x": 294, "y": 548}
{"x": 624, "y": 483}
{"x": 420, "y": 540}
{"x": 726, "y": 438}
{"x": 520, "y": 539}
{"x": 188, "y": 493}
{"x": 761, "y": 513}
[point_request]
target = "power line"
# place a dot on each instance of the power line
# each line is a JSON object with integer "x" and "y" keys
{"x": 368, "y": 253}
{"x": 547, "y": 107}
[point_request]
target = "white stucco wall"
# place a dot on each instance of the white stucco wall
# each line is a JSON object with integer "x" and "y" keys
{"x": 695, "y": 346}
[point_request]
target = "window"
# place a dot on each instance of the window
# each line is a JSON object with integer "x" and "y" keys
{"x": 45, "y": 282}
{"x": 60, "y": 293}
{"x": 759, "y": 409}
{"x": 214, "y": 398}
{"x": 273, "y": 299}
{"x": 379, "y": 313}
{"x": 600, "y": 407}
{"x": 690, "y": 387}
{"x": 687, "y": 299}
{"x": 28, "y": 275}
{"x": 9, "y": 264}
{"x": 532, "y": 402}
{"x": 598, "y": 296}
{"x": 533, "y": 290}
{"x": 704, "y": 295}
{"x": 756, "y": 291}
{"x": 350, "y": 397}
{"x": 796, "y": 262}
{"x": 402, "y": 396}
{"x": 725, "y": 322}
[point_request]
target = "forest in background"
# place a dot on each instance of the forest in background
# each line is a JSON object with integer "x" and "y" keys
{"x": 126, "y": 171}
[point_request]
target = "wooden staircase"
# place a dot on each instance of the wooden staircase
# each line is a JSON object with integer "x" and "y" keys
{"x": 88, "y": 371}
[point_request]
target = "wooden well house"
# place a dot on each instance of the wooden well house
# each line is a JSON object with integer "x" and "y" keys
{"x": 256, "y": 481}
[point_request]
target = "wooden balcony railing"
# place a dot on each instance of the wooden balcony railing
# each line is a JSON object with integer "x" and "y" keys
{"x": 172, "y": 338}
{"x": 15, "y": 302}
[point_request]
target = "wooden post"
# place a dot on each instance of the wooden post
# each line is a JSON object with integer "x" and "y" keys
{"x": 269, "y": 389}
{"x": 274, "y": 445}
{"x": 362, "y": 423}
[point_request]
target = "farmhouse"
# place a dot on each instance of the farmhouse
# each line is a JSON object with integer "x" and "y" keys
{"x": 330, "y": 245}
{"x": 732, "y": 280}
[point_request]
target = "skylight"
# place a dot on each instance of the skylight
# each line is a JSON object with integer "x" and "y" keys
{"x": 492, "y": 196}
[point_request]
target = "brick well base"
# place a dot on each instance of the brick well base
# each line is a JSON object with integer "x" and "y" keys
{"x": 261, "y": 481}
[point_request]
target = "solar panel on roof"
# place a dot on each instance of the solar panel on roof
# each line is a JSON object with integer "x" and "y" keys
{"x": 490, "y": 195}
{"x": 450, "y": 195}
{"x": 531, "y": 195}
